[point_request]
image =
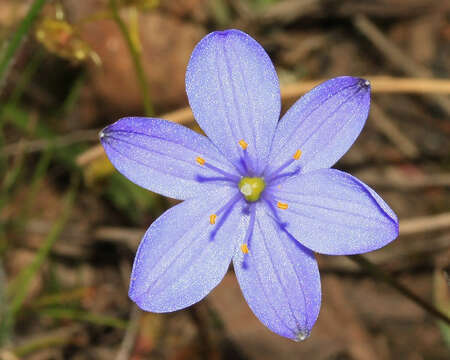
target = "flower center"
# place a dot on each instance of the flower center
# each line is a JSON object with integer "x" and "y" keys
{"x": 251, "y": 188}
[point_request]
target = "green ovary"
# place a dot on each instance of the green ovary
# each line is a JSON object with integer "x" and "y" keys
{"x": 251, "y": 188}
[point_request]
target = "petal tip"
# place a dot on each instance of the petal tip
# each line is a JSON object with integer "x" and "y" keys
{"x": 101, "y": 134}
{"x": 302, "y": 335}
{"x": 364, "y": 83}
{"x": 227, "y": 32}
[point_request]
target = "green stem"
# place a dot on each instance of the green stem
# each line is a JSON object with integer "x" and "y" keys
{"x": 135, "y": 56}
{"x": 81, "y": 315}
{"x": 7, "y": 55}
{"x": 388, "y": 279}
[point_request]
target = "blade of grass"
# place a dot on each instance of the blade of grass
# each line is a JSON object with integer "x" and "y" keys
{"x": 19, "y": 288}
{"x": 36, "y": 182}
{"x": 3, "y": 304}
{"x": 10, "y": 49}
{"x": 63, "y": 297}
{"x": 60, "y": 337}
{"x": 74, "y": 94}
{"x": 80, "y": 315}
{"x": 26, "y": 76}
{"x": 135, "y": 56}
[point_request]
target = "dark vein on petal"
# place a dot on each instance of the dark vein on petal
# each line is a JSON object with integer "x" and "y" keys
{"x": 182, "y": 250}
{"x": 300, "y": 123}
{"x": 230, "y": 177}
{"x": 184, "y": 146}
{"x": 157, "y": 169}
{"x": 250, "y": 118}
{"x": 283, "y": 288}
{"x": 225, "y": 107}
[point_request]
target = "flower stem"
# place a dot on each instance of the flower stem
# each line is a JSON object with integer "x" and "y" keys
{"x": 135, "y": 56}
{"x": 374, "y": 270}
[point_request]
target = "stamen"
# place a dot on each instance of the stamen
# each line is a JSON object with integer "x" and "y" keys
{"x": 230, "y": 177}
{"x": 243, "y": 144}
{"x": 200, "y": 160}
{"x": 212, "y": 219}
{"x": 282, "y": 206}
{"x": 244, "y": 248}
{"x": 248, "y": 235}
{"x": 226, "y": 210}
{"x": 276, "y": 174}
{"x": 270, "y": 202}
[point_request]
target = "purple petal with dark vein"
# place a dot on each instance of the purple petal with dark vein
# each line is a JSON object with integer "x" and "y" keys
{"x": 323, "y": 124}
{"x": 334, "y": 213}
{"x": 182, "y": 257}
{"x": 234, "y": 94}
{"x": 279, "y": 279}
{"x": 161, "y": 156}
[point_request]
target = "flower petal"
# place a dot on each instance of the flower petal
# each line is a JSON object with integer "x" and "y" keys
{"x": 234, "y": 94}
{"x": 332, "y": 212}
{"x": 161, "y": 156}
{"x": 279, "y": 279}
{"x": 182, "y": 257}
{"x": 323, "y": 124}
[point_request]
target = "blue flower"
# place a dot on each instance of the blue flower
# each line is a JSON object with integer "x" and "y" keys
{"x": 257, "y": 192}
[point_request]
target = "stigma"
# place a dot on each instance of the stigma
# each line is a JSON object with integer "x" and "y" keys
{"x": 252, "y": 188}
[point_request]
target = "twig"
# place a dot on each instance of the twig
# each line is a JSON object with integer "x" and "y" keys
{"x": 425, "y": 224}
{"x": 396, "y": 56}
{"x": 181, "y": 116}
{"x": 388, "y": 279}
{"x": 379, "y": 84}
{"x": 131, "y": 236}
{"x": 392, "y": 132}
{"x": 126, "y": 347}
{"x": 198, "y": 314}
{"x": 135, "y": 56}
{"x": 42, "y": 144}
{"x": 403, "y": 182}
{"x": 401, "y": 257}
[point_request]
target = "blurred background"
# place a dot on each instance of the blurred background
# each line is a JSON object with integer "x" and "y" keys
{"x": 70, "y": 224}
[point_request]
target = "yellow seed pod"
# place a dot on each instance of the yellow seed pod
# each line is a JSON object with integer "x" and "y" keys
{"x": 62, "y": 39}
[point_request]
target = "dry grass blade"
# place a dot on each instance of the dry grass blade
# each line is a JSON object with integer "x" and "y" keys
{"x": 379, "y": 84}
{"x": 395, "y": 55}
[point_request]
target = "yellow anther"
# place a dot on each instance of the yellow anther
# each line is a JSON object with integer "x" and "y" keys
{"x": 243, "y": 144}
{"x": 244, "y": 248}
{"x": 212, "y": 219}
{"x": 200, "y": 160}
{"x": 282, "y": 206}
{"x": 297, "y": 154}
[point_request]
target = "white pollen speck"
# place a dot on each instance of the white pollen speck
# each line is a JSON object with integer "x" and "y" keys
{"x": 101, "y": 134}
{"x": 246, "y": 189}
{"x": 367, "y": 82}
{"x": 302, "y": 335}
